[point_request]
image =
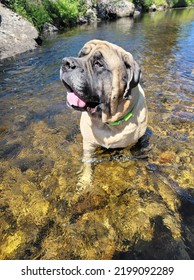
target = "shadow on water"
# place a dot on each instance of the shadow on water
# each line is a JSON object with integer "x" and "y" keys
{"x": 138, "y": 207}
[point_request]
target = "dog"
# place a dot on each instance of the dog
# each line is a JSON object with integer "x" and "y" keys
{"x": 103, "y": 83}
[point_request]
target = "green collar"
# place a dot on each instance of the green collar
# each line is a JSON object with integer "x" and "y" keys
{"x": 124, "y": 119}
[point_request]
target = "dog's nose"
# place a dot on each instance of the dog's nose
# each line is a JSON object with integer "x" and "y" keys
{"x": 68, "y": 64}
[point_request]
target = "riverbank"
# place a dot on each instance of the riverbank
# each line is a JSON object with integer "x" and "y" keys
{"x": 17, "y": 34}
{"x": 22, "y": 25}
{"x": 131, "y": 211}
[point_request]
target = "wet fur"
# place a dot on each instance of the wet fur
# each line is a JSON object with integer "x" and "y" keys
{"x": 106, "y": 77}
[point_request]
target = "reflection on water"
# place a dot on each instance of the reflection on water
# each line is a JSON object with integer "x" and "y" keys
{"x": 136, "y": 208}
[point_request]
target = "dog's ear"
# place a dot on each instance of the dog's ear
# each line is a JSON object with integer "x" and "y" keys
{"x": 86, "y": 49}
{"x": 133, "y": 72}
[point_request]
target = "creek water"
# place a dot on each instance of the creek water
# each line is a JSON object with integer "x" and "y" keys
{"x": 139, "y": 207}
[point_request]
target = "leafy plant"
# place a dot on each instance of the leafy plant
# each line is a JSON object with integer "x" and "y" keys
{"x": 59, "y": 12}
{"x": 171, "y": 3}
{"x": 143, "y": 3}
{"x": 34, "y": 11}
{"x": 65, "y": 12}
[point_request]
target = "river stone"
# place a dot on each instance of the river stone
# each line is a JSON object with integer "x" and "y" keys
{"x": 49, "y": 29}
{"x": 17, "y": 34}
{"x": 152, "y": 8}
{"x": 90, "y": 15}
{"x": 114, "y": 9}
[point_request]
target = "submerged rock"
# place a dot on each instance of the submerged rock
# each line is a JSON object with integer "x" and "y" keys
{"x": 17, "y": 34}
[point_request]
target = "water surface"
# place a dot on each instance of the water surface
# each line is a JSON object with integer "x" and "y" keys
{"x": 136, "y": 208}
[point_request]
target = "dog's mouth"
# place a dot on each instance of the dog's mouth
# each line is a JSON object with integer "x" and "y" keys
{"x": 78, "y": 103}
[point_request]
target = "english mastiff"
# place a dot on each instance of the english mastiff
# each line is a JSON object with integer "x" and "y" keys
{"x": 103, "y": 83}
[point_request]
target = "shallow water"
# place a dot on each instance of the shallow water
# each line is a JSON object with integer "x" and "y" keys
{"x": 138, "y": 207}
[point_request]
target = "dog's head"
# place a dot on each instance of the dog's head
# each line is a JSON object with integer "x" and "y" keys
{"x": 99, "y": 78}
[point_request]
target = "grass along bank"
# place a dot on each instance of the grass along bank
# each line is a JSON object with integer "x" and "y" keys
{"x": 146, "y": 4}
{"x": 64, "y": 13}
{"x": 61, "y": 13}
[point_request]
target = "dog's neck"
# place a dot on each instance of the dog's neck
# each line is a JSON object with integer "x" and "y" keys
{"x": 124, "y": 111}
{"x": 124, "y": 119}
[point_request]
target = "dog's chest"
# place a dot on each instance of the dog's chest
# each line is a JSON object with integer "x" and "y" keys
{"x": 116, "y": 138}
{"x": 95, "y": 133}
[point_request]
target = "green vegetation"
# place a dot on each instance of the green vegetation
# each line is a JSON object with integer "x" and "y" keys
{"x": 59, "y": 12}
{"x": 168, "y": 3}
{"x": 143, "y": 3}
{"x": 178, "y": 3}
{"x": 34, "y": 11}
{"x": 64, "y": 13}
{"x": 181, "y": 3}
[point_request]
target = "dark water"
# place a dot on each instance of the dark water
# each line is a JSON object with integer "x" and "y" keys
{"x": 136, "y": 208}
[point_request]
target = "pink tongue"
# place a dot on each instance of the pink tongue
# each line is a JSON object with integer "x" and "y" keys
{"x": 74, "y": 100}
